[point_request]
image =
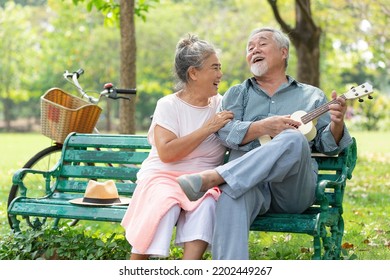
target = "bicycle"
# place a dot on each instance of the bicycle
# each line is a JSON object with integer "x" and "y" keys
{"x": 47, "y": 158}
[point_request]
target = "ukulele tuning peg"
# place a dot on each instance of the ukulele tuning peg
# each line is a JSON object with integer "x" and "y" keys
{"x": 361, "y": 100}
{"x": 370, "y": 97}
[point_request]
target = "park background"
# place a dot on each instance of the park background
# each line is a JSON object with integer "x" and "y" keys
{"x": 40, "y": 39}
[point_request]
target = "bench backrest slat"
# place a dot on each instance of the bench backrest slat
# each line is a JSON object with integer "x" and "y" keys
{"x": 107, "y": 140}
{"x": 331, "y": 163}
{"x": 99, "y": 172}
{"x": 105, "y": 156}
{"x": 79, "y": 186}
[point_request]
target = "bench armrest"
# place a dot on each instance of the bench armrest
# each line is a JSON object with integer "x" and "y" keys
{"x": 20, "y": 174}
{"x": 351, "y": 158}
{"x": 321, "y": 196}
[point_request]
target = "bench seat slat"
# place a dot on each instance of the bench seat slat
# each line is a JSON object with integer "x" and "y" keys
{"x": 55, "y": 209}
{"x": 296, "y": 223}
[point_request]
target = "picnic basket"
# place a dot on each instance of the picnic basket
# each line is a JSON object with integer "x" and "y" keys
{"x": 63, "y": 113}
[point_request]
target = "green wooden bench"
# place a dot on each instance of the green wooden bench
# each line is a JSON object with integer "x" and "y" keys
{"x": 118, "y": 157}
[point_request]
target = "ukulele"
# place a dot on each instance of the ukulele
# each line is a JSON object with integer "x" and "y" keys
{"x": 309, "y": 120}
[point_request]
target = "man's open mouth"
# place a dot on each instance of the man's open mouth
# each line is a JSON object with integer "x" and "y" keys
{"x": 257, "y": 59}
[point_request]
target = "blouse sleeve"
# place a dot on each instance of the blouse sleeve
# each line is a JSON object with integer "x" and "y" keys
{"x": 165, "y": 116}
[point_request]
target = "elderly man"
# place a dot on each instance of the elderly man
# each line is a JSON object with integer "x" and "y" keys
{"x": 267, "y": 176}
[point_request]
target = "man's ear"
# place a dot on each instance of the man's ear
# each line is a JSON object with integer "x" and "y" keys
{"x": 285, "y": 53}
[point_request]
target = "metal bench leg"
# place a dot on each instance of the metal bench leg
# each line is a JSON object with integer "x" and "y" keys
{"x": 332, "y": 241}
{"x": 317, "y": 248}
{"x": 15, "y": 223}
{"x": 55, "y": 224}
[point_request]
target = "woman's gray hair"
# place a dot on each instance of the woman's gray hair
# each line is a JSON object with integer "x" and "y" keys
{"x": 280, "y": 38}
{"x": 190, "y": 52}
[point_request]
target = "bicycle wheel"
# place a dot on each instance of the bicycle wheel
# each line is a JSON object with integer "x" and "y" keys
{"x": 43, "y": 160}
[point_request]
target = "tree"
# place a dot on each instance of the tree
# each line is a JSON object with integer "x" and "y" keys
{"x": 305, "y": 36}
{"x": 17, "y": 37}
{"x": 128, "y": 65}
{"x": 124, "y": 11}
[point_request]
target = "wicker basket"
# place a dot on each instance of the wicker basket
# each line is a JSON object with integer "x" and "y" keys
{"x": 63, "y": 113}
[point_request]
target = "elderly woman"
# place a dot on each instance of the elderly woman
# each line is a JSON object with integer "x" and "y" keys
{"x": 183, "y": 142}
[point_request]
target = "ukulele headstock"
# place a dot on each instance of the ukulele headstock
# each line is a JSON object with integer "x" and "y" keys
{"x": 359, "y": 92}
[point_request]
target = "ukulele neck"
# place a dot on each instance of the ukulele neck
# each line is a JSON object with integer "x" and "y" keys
{"x": 318, "y": 111}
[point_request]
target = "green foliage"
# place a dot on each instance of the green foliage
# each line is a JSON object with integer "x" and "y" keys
{"x": 16, "y": 28}
{"x": 25, "y": 2}
{"x": 111, "y": 8}
{"x": 64, "y": 244}
{"x": 59, "y": 35}
{"x": 143, "y": 6}
{"x": 371, "y": 115}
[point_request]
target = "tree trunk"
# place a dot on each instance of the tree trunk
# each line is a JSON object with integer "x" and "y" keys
{"x": 108, "y": 115}
{"x": 128, "y": 65}
{"x": 306, "y": 39}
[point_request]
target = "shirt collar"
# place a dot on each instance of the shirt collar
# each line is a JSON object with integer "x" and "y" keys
{"x": 290, "y": 81}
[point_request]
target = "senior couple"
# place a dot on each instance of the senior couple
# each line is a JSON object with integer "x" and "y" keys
{"x": 184, "y": 182}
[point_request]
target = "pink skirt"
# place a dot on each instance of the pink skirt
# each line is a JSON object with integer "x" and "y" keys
{"x": 153, "y": 197}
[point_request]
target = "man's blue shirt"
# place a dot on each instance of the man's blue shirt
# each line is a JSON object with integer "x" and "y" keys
{"x": 250, "y": 103}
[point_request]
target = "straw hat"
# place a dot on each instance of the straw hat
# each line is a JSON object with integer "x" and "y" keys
{"x": 101, "y": 194}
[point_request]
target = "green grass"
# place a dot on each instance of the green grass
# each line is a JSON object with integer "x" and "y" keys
{"x": 366, "y": 204}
